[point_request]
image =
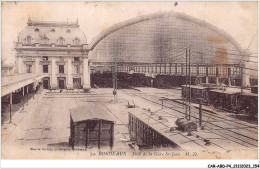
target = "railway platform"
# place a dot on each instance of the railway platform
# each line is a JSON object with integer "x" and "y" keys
{"x": 47, "y": 123}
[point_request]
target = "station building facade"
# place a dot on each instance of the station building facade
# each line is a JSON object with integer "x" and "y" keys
{"x": 57, "y": 48}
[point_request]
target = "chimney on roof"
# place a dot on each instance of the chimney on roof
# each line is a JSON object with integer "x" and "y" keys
{"x": 29, "y": 21}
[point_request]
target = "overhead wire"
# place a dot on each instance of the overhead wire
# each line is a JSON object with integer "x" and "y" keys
{"x": 208, "y": 54}
{"x": 239, "y": 52}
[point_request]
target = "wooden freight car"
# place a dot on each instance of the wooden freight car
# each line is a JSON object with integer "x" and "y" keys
{"x": 160, "y": 130}
{"x": 248, "y": 103}
{"x": 254, "y": 89}
{"x": 196, "y": 93}
{"x": 144, "y": 135}
{"x": 224, "y": 99}
{"x": 91, "y": 126}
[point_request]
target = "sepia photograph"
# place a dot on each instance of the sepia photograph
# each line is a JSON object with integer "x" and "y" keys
{"x": 129, "y": 80}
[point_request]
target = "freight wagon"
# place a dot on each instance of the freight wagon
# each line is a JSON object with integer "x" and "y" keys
{"x": 91, "y": 126}
{"x": 229, "y": 99}
{"x": 145, "y": 136}
{"x": 159, "y": 130}
{"x": 254, "y": 89}
{"x": 222, "y": 99}
{"x": 197, "y": 92}
{"x": 248, "y": 103}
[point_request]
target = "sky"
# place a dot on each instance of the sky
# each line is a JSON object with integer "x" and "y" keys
{"x": 239, "y": 19}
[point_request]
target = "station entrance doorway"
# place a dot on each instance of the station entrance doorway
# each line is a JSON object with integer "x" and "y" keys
{"x": 61, "y": 82}
{"x": 46, "y": 83}
{"x": 76, "y": 83}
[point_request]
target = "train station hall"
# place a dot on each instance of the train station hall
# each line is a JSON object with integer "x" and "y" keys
{"x": 164, "y": 81}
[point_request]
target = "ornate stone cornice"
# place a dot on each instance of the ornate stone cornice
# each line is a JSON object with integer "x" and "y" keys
{"x": 45, "y": 62}
{"x": 76, "y": 62}
{"x": 28, "y": 62}
{"x": 41, "y": 48}
{"x": 61, "y": 62}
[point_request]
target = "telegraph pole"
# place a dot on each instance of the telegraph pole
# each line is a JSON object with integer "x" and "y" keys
{"x": 116, "y": 78}
{"x": 200, "y": 112}
{"x": 114, "y": 74}
{"x": 190, "y": 85}
{"x": 186, "y": 93}
{"x": 242, "y": 78}
{"x": 11, "y": 102}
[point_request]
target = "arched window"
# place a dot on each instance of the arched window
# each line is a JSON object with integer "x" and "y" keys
{"x": 28, "y": 39}
{"x": 36, "y": 30}
{"x": 61, "y": 41}
{"x": 76, "y": 41}
{"x": 68, "y": 31}
{"x": 53, "y": 30}
{"x": 45, "y": 39}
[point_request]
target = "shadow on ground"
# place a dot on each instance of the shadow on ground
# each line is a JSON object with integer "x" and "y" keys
{"x": 244, "y": 117}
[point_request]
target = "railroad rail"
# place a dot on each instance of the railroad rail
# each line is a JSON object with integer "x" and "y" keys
{"x": 214, "y": 128}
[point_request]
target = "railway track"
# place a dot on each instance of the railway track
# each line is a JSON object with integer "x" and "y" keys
{"x": 218, "y": 129}
{"x": 205, "y": 113}
{"x": 212, "y": 116}
{"x": 232, "y": 135}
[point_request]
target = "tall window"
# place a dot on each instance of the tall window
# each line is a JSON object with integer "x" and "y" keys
{"x": 45, "y": 68}
{"x": 61, "y": 68}
{"x": 76, "y": 41}
{"x": 61, "y": 41}
{"x": 45, "y": 39}
{"x": 202, "y": 70}
{"x": 28, "y": 39}
{"x": 76, "y": 59}
{"x": 76, "y": 69}
{"x": 29, "y": 68}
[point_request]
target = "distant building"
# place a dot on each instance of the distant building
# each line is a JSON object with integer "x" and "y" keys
{"x": 57, "y": 48}
{"x": 6, "y": 70}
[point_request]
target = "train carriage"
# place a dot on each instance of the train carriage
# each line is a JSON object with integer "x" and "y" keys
{"x": 248, "y": 103}
{"x": 224, "y": 99}
{"x": 254, "y": 89}
{"x": 196, "y": 93}
{"x": 228, "y": 99}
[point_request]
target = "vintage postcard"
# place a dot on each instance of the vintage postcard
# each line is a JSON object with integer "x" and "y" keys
{"x": 129, "y": 80}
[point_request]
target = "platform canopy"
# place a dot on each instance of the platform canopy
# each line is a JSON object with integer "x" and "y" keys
{"x": 90, "y": 111}
{"x": 14, "y": 82}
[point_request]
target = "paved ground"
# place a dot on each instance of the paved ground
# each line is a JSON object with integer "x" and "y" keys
{"x": 44, "y": 122}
